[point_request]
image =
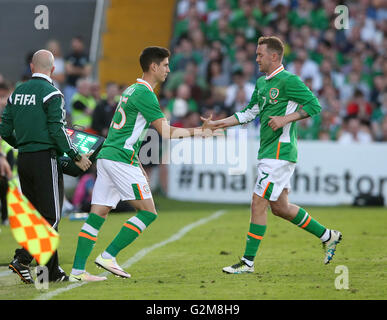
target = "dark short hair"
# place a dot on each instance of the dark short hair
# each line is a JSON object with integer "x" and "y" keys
{"x": 273, "y": 44}
{"x": 111, "y": 83}
{"x": 152, "y": 54}
{"x": 4, "y": 86}
{"x": 79, "y": 38}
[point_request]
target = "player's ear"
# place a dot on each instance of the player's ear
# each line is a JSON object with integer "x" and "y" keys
{"x": 153, "y": 66}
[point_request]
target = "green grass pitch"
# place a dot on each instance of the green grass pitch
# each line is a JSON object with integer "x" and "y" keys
{"x": 189, "y": 265}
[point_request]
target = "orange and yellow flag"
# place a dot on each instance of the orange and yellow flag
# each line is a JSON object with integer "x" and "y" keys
{"x": 29, "y": 228}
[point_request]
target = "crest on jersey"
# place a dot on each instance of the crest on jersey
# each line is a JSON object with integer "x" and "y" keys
{"x": 146, "y": 188}
{"x": 274, "y": 92}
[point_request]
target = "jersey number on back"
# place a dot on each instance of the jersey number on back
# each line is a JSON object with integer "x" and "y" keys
{"x": 123, "y": 115}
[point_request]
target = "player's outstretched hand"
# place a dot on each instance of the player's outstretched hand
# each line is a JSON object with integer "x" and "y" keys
{"x": 208, "y": 123}
{"x": 84, "y": 163}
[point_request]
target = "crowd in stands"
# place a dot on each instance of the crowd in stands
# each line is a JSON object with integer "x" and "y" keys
{"x": 214, "y": 70}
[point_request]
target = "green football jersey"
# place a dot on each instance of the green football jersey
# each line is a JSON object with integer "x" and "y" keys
{"x": 34, "y": 118}
{"x": 138, "y": 107}
{"x": 278, "y": 94}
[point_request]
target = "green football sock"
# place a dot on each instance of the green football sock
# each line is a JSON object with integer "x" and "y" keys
{"x": 130, "y": 231}
{"x": 86, "y": 240}
{"x": 305, "y": 221}
{"x": 254, "y": 237}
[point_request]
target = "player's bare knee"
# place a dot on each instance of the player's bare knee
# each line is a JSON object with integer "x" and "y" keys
{"x": 100, "y": 210}
{"x": 278, "y": 210}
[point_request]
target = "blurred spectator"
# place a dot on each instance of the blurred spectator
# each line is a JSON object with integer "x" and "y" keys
{"x": 246, "y": 18}
{"x": 219, "y": 9}
{"x": 383, "y": 136}
{"x": 328, "y": 72}
{"x": 82, "y": 104}
{"x": 199, "y": 45}
{"x": 379, "y": 116}
{"x": 216, "y": 75}
{"x": 359, "y": 107}
{"x": 379, "y": 86}
{"x": 95, "y": 91}
{"x": 216, "y": 54}
{"x": 301, "y": 14}
{"x": 182, "y": 104}
{"x": 239, "y": 93}
{"x": 191, "y": 120}
{"x": 351, "y": 84}
{"x": 214, "y": 104}
{"x": 77, "y": 66}
{"x": 103, "y": 113}
{"x": 306, "y": 68}
{"x": 308, "y": 129}
{"x": 26, "y": 74}
{"x": 354, "y": 131}
{"x": 250, "y": 72}
{"x": 84, "y": 190}
{"x": 220, "y": 30}
{"x": 241, "y": 99}
{"x": 5, "y": 91}
{"x": 184, "y": 6}
{"x": 191, "y": 77}
{"x": 59, "y": 74}
{"x": 183, "y": 55}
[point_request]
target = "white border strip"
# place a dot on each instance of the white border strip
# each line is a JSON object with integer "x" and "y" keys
{"x": 95, "y": 35}
{"x": 5, "y": 273}
{"x": 140, "y": 254}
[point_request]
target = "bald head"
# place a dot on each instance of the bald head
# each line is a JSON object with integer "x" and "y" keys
{"x": 42, "y": 62}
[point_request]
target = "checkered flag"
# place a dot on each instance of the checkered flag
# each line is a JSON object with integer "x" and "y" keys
{"x": 29, "y": 228}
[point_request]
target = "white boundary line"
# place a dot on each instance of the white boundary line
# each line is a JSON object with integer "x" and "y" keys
{"x": 5, "y": 273}
{"x": 139, "y": 255}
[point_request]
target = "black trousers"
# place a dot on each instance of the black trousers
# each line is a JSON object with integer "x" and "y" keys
{"x": 41, "y": 181}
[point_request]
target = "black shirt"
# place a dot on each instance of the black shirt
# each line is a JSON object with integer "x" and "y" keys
{"x": 102, "y": 116}
{"x": 77, "y": 60}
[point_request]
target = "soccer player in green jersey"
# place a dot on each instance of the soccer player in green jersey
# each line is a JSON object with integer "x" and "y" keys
{"x": 119, "y": 173}
{"x": 276, "y": 100}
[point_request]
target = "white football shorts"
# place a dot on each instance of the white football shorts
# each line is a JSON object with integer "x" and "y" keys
{"x": 118, "y": 181}
{"x": 273, "y": 176}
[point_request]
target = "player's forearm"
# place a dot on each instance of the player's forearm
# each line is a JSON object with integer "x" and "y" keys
{"x": 295, "y": 116}
{"x": 277, "y": 122}
{"x": 226, "y": 122}
{"x": 178, "y": 133}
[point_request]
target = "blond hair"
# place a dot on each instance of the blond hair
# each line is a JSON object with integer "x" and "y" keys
{"x": 273, "y": 44}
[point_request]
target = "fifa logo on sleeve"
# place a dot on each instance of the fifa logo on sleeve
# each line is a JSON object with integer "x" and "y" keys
{"x": 41, "y": 21}
{"x": 342, "y": 20}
